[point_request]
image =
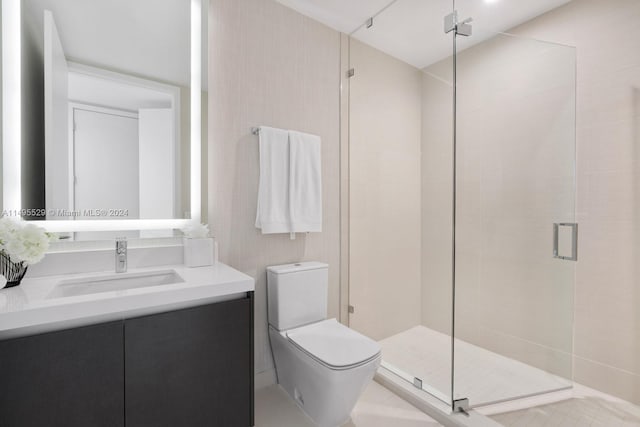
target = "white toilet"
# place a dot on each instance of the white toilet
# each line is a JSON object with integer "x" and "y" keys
{"x": 322, "y": 364}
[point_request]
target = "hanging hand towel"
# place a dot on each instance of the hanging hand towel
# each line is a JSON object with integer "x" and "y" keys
{"x": 305, "y": 182}
{"x": 273, "y": 190}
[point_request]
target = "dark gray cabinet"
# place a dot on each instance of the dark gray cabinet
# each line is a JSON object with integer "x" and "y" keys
{"x": 191, "y": 367}
{"x": 67, "y": 378}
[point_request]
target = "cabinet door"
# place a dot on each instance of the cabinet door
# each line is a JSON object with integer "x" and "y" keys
{"x": 191, "y": 367}
{"x": 71, "y": 378}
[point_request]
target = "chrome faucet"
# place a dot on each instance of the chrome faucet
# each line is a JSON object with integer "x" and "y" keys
{"x": 121, "y": 254}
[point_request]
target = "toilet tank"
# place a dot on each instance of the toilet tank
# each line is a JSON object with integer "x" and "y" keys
{"x": 297, "y": 294}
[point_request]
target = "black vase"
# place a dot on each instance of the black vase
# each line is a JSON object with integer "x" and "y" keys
{"x": 12, "y": 271}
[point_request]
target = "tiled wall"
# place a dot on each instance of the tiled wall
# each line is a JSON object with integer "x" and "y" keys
{"x": 437, "y": 196}
{"x": 269, "y": 65}
{"x": 384, "y": 172}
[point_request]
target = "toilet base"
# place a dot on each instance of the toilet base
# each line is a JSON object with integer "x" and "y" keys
{"x": 326, "y": 395}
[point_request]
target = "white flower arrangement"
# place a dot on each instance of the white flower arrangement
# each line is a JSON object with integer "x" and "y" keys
{"x": 196, "y": 231}
{"x": 22, "y": 241}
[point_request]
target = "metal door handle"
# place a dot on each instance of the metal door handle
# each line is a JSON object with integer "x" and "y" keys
{"x": 574, "y": 240}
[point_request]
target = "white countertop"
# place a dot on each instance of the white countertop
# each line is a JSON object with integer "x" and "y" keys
{"x": 26, "y": 310}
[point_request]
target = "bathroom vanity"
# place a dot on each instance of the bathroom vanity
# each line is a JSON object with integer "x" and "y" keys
{"x": 160, "y": 346}
{"x": 172, "y": 354}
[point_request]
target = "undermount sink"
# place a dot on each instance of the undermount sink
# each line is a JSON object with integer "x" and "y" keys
{"x": 115, "y": 282}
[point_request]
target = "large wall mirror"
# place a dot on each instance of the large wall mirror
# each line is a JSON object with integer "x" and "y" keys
{"x": 102, "y": 121}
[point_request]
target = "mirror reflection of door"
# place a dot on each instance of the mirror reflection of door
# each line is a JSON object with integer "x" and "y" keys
{"x": 112, "y": 139}
{"x": 105, "y": 165}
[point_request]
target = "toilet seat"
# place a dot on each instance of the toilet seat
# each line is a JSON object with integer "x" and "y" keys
{"x": 334, "y": 345}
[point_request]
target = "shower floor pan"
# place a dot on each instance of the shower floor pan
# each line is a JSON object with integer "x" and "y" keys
{"x": 482, "y": 376}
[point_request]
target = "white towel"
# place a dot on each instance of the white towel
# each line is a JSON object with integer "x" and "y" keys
{"x": 305, "y": 182}
{"x": 273, "y": 193}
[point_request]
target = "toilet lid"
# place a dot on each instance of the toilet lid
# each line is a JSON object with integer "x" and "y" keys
{"x": 334, "y": 344}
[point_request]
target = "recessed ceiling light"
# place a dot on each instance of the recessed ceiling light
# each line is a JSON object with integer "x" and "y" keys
{"x": 491, "y": 1}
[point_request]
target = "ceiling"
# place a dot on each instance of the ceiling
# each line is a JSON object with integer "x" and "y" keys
{"x": 413, "y": 30}
{"x": 146, "y": 38}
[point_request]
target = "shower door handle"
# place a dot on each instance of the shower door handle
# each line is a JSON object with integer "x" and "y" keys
{"x": 574, "y": 240}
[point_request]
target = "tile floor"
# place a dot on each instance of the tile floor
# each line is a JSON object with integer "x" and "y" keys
{"x": 587, "y": 411}
{"x": 481, "y": 375}
{"x": 377, "y": 407}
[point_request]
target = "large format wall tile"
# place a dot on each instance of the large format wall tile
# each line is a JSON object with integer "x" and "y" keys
{"x": 270, "y": 66}
{"x": 384, "y": 159}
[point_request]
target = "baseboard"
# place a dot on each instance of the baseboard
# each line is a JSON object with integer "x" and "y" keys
{"x": 265, "y": 379}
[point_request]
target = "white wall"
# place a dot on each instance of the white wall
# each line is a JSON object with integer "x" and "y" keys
{"x": 33, "y": 156}
{"x": 156, "y": 144}
{"x": 56, "y": 116}
{"x": 157, "y": 165}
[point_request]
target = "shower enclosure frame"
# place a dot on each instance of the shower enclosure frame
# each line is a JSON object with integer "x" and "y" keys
{"x": 348, "y": 71}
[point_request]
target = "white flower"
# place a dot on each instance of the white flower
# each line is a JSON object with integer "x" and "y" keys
{"x": 8, "y": 228}
{"x": 22, "y": 241}
{"x": 196, "y": 231}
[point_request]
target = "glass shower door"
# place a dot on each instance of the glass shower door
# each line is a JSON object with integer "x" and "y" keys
{"x": 515, "y": 212}
{"x": 461, "y": 236}
{"x": 387, "y": 229}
